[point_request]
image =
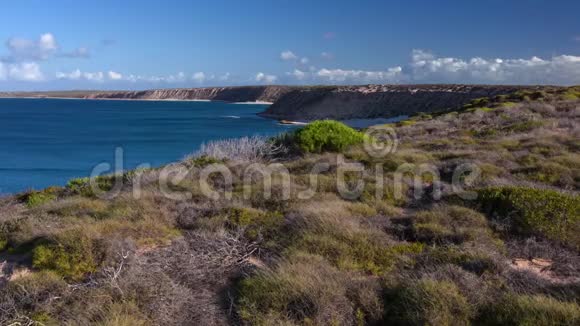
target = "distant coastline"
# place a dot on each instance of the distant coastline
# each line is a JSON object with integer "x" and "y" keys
{"x": 307, "y": 103}
{"x": 130, "y": 99}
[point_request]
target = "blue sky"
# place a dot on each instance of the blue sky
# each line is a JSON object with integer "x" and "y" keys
{"x": 148, "y": 44}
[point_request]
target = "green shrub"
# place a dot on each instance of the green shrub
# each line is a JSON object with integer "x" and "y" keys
{"x": 530, "y": 310}
{"x": 37, "y": 198}
{"x": 305, "y": 290}
{"x": 82, "y": 186}
{"x": 427, "y": 302}
{"x": 357, "y": 251}
{"x": 453, "y": 224}
{"x": 475, "y": 262}
{"x": 524, "y": 126}
{"x": 535, "y": 211}
{"x": 487, "y": 132}
{"x": 406, "y": 123}
{"x": 550, "y": 173}
{"x": 255, "y": 223}
{"x": 3, "y": 243}
{"x": 571, "y": 94}
{"x": 71, "y": 254}
{"x": 32, "y": 292}
{"x": 203, "y": 161}
{"x": 327, "y": 135}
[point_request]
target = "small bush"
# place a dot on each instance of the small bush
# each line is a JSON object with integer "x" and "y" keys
{"x": 255, "y": 223}
{"x": 358, "y": 251}
{"x": 82, "y": 186}
{"x": 453, "y": 224}
{"x": 71, "y": 254}
{"x": 427, "y": 302}
{"x": 37, "y": 198}
{"x": 327, "y": 135}
{"x": 469, "y": 260}
{"x": 244, "y": 149}
{"x": 530, "y": 310}
{"x": 550, "y": 173}
{"x": 535, "y": 211}
{"x": 31, "y": 292}
{"x": 204, "y": 160}
{"x": 306, "y": 290}
{"x": 524, "y": 126}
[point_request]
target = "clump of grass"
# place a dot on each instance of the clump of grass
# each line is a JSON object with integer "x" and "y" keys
{"x": 525, "y": 126}
{"x": 427, "y": 302}
{"x": 535, "y": 211}
{"x": 305, "y": 289}
{"x": 530, "y": 310}
{"x": 82, "y": 186}
{"x": 255, "y": 223}
{"x": 327, "y": 136}
{"x": 30, "y": 293}
{"x": 70, "y": 254}
{"x": 453, "y": 224}
{"x": 204, "y": 160}
{"x": 38, "y": 198}
{"x": 358, "y": 251}
{"x": 470, "y": 259}
{"x": 550, "y": 173}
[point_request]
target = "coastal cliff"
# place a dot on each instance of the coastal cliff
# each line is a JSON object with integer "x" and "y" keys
{"x": 305, "y": 103}
{"x": 227, "y": 94}
{"x": 376, "y": 101}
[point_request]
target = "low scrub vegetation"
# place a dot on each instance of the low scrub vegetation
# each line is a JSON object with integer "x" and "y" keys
{"x": 327, "y": 136}
{"x": 419, "y": 244}
{"x": 535, "y": 211}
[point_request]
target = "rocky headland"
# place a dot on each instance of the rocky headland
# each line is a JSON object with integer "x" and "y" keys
{"x": 305, "y": 103}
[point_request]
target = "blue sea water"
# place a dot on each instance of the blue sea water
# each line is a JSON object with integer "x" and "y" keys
{"x": 46, "y": 142}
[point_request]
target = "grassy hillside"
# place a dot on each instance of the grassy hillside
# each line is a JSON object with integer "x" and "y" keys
{"x": 471, "y": 217}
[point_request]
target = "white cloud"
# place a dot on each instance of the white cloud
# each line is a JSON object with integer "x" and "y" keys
{"x": 264, "y": 78}
{"x": 426, "y": 67}
{"x": 225, "y": 77}
{"x": 304, "y": 61}
{"x": 288, "y": 55}
{"x": 27, "y": 71}
{"x": 47, "y": 42}
{"x": 31, "y": 50}
{"x": 199, "y": 77}
{"x": 114, "y": 75}
{"x": 391, "y": 75}
{"x": 94, "y": 76}
{"x": 3, "y": 72}
{"x": 44, "y": 48}
{"x": 298, "y": 74}
{"x": 178, "y": 78}
{"x": 88, "y": 76}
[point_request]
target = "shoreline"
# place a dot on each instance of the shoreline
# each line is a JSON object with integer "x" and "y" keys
{"x": 132, "y": 99}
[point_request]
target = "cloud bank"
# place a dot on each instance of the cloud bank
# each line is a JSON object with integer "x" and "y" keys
{"x": 23, "y": 59}
{"x": 425, "y": 67}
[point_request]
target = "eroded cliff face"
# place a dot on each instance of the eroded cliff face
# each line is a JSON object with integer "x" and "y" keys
{"x": 228, "y": 94}
{"x": 317, "y": 102}
{"x": 376, "y": 101}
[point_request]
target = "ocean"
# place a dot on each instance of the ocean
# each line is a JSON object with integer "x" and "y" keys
{"x": 45, "y": 142}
